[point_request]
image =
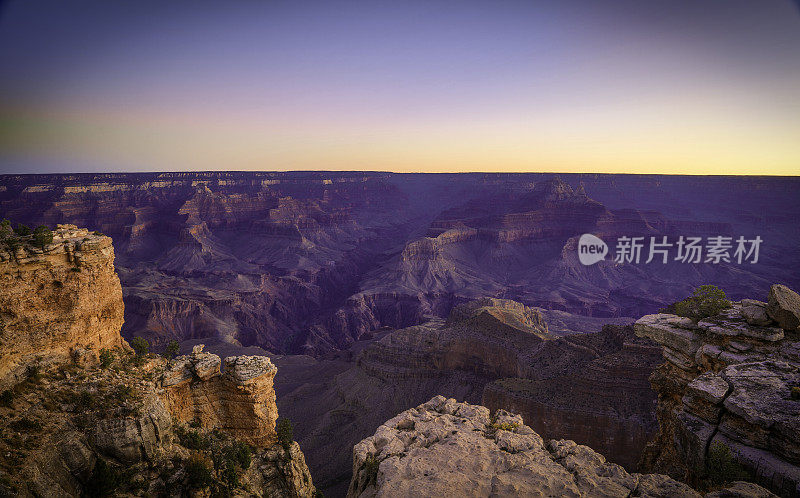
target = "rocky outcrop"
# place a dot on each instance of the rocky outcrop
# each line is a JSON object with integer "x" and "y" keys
{"x": 240, "y": 401}
{"x": 729, "y": 381}
{"x": 57, "y": 299}
{"x": 73, "y": 431}
{"x": 446, "y": 448}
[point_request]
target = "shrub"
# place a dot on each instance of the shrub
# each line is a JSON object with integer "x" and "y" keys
{"x": 371, "y": 466}
{"x": 140, "y": 346}
{"x": 285, "y": 433}
{"x": 22, "y": 230}
{"x": 12, "y": 243}
{"x": 106, "y": 357}
{"x": 7, "y": 398}
{"x": 722, "y": 468}
{"x": 193, "y": 440}
{"x": 172, "y": 349}
{"x": 104, "y": 481}
{"x": 705, "y": 301}
{"x": 198, "y": 472}
{"x": 42, "y": 236}
{"x": 240, "y": 454}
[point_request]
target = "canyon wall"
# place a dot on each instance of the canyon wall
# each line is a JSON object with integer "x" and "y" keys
{"x": 730, "y": 386}
{"x": 57, "y": 299}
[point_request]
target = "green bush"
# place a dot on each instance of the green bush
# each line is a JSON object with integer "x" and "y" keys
{"x": 172, "y": 349}
{"x": 42, "y": 236}
{"x": 198, "y": 473}
{"x": 7, "y": 398}
{"x": 194, "y": 440}
{"x": 140, "y": 346}
{"x": 705, "y": 301}
{"x": 106, "y": 357}
{"x": 22, "y": 230}
{"x": 722, "y": 468}
{"x": 285, "y": 433}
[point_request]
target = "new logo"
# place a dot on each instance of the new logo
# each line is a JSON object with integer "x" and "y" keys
{"x": 591, "y": 249}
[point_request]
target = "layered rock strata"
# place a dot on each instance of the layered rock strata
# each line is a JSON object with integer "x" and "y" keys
{"x": 240, "y": 401}
{"x": 446, "y": 448}
{"x": 733, "y": 381}
{"x": 58, "y": 299}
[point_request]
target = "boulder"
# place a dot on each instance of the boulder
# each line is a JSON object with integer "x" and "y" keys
{"x": 784, "y": 307}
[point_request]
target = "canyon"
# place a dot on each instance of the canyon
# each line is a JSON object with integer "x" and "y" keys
{"x": 310, "y": 262}
{"x": 371, "y": 293}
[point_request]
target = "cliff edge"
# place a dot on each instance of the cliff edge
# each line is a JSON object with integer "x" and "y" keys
{"x": 446, "y": 448}
{"x": 730, "y": 387}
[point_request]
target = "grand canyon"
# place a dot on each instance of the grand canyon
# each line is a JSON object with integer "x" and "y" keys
{"x": 370, "y": 307}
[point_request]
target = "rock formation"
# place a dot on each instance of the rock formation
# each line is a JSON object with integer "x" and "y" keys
{"x": 58, "y": 300}
{"x": 78, "y": 423}
{"x": 730, "y": 381}
{"x": 591, "y": 388}
{"x": 446, "y": 448}
{"x": 240, "y": 401}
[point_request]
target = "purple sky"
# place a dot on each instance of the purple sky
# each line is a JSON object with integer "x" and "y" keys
{"x": 653, "y": 86}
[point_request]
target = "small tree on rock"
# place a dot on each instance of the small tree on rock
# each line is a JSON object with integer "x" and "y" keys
{"x": 172, "y": 349}
{"x": 285, "y": 433}
{"x": 42, "y": 236}
{"x": 22, "y": 230}
{"x": 705, "y": 301}
{"x": 141, "y": 347}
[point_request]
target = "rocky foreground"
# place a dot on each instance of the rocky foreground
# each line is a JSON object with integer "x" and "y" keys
{"x": 443, "y": 448}
{"x": 730, "y": 381}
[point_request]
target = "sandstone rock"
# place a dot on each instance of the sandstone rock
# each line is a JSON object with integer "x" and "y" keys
{"x": 784, "y": 307}
{"x": 241, "y": 401}
{"x": 48, "y": 307}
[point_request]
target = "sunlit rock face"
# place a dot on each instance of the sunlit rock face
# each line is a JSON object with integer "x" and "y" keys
{"x": 240, "y": 401}
{"x": 59, "y": 300}
{"x": 446, "y": 448}
{"x": 729, "y": 380}
{"x": 312, "y": 262}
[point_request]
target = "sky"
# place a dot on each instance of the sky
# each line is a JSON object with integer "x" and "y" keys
{"x": 618, "y": 86}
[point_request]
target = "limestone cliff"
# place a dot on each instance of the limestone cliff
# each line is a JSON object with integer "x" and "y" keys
{"x": 241, "y": 402}
{"x": 730, "y": 383}
{"x": 57, "y": 299}
{"x": 446, "y": 448}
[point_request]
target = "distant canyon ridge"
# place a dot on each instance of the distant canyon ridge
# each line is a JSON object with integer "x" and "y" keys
{"x": 312, "y": 262}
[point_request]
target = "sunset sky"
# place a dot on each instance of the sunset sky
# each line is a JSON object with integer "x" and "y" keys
{"x": 631, "y": 86}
